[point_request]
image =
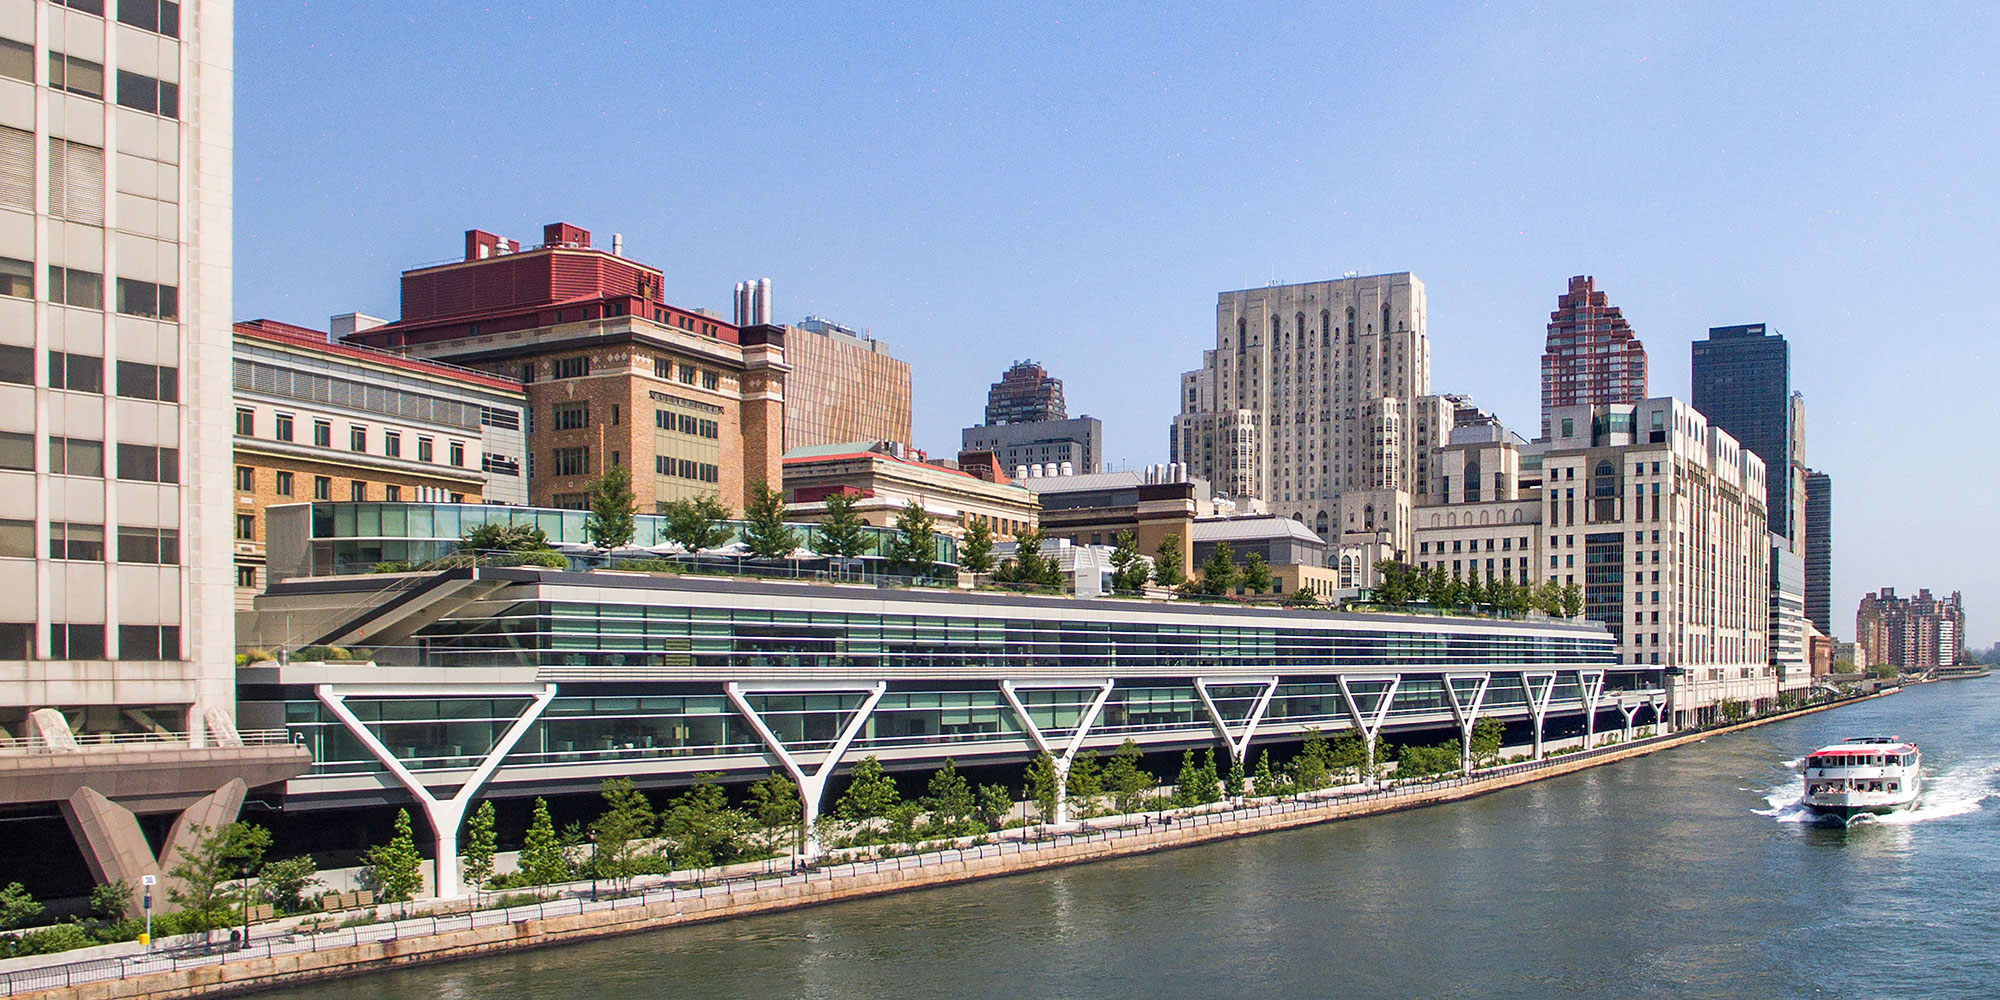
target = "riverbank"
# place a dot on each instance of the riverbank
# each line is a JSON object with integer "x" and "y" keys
{"x": 436, "y": 939}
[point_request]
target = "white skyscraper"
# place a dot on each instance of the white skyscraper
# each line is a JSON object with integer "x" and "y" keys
{"x": 1316, "y": 400}
{"x": 115, "y": 400}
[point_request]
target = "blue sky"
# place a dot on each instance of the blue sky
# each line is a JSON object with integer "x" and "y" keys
{"x": 1076, "y": 185}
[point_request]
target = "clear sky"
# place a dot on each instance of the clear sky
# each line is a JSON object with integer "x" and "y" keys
{"x": 1076, "y": 185}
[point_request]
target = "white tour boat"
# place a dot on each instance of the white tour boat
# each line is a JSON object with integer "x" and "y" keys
{"x": 1869, "y": 774}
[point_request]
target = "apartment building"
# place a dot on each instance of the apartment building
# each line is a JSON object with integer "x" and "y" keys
{"x": 615, "y": 375}
{"x": 1592, "y": 354}
{"x": 325, "y": 421}
{"x": 1913, "y": 633}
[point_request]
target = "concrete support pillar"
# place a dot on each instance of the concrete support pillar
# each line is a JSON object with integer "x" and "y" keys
{"x": 116, "y": 850}
{"x": 812, "y": 784}
{"x": 1369, "y": 723}
{"x": 1067, "y": 754}
{"x": 1465, "y": 710}
{"x": 49, "y": 726}
{"x": 1540, "y": 686}
{"x": 1590, "y": 685}
{"x": 1239, "y": 746}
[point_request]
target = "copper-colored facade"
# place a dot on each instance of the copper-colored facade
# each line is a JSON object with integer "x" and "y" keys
{"x": 842, "y": 387}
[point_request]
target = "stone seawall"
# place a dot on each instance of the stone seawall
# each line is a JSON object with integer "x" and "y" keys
{"x": 247, "y": 975}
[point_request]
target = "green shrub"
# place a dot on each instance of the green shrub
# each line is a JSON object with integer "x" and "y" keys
{"x": 541, "y": 557}
{"x": 50, "y": 940}
{"x": 519, "y": 899}
{"x": 646, "y": 566}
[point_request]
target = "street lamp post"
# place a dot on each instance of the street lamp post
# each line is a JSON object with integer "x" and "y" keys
{"x": 146, "y": 936}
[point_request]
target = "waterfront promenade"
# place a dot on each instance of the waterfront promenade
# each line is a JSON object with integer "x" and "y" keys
{"x": 299, "y": 958}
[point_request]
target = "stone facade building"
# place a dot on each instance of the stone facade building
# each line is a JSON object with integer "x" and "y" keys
{"x": 843, "y": 386}
{"x": 335, "y": 422}
{"x": 1028, "y": 429}
{"x": 614, "y": 374}
{"x": 885, "y": 477}
{"x": 1912, "y": 633}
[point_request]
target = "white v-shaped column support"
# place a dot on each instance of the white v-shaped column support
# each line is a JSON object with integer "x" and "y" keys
{"x": 1239, "y": 749}
{"x": 1067, "y": 755}
{"x": 1538, "y": 703}
{"x": 1630, "y": 710}
{"x": 1590, "y": 686}
{"x": 1464, "y": 713}
{"x": 444, "y": 815}
{"x": 1372, "y": 724}
{"x": 811, "y": 786}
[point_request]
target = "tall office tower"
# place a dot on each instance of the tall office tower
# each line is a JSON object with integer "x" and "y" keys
{"x": 1592, "y": 356}
{"x": 115, "y": 353}
{"x": 843, "y": 386}
{"x": 1025, "y": 394}
{"x": 1819, "y": 551}
{"x": 1315, "y": 399}
{"x": 1913, "y": 633}
{"x": 1743, "y": 384}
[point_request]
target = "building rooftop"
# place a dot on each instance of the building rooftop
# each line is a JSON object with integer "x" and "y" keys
{"x": 306, "y": 338}
{"x": 1242, "y": 529}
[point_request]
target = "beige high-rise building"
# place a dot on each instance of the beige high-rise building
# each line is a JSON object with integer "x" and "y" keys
{"x": 1316, "y": 399}
{"x": 843, "y": 386}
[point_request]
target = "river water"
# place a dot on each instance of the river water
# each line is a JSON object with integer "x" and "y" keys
{"x": 1683, "y": 874}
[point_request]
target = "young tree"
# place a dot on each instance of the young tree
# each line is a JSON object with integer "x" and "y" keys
{"x": 1232, "y": 780}
{"x": 1487, "y": 735}
{"x": 396, "y": 868}
{"x": 870, "y": 793}
{"x": 284, "y": 883}
{"x": 612, "y": 506}
{"x": 1310, "y": 768}
{"x": 842, "y": 533}
{"x": 202, "y": 894}
{"x": 1219, "y": 573}
{"x": 1448, "y": 591}
{"x": 627, "y": 820}
{"x": 1572, "y": 601}
{"x": 496, "y": 537}
{"x": 1547, "y": 597}
{"x": 1029, "y": 566}
{"x": 17, "y": 907}
{"x": 1042, "y": 785}
{"x": 1085, "y": 782}
{"x": 764, "y": 528}
{"x": 1208, "y": 781}
{"x": 914, "y": 550}
{"x": 1475, "y": 591}
{"x": 1169, "y": 569}
{"x": 1392, "y": 583}
{"x": 704, "y": 830}
{"x": 996, "y": 803}
{"x": 1187, "y": 784}
{"x": 475, "y": 862}
{"x": 1302, "y": 598}
{"x": 1256, "y": 576}
{"x": 774, "y": 804}
{"x": 1129, "y": 571}
{"x": 542, "y": 861}
{"x": 1127, "y": 782}
{"x": 975, "y": 551}
{"x": 950, "y": 801}
{"x": 693, "y": 522}
{"x": 1266, "y": 780}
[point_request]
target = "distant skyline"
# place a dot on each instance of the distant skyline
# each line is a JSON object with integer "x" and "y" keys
{"x": 1076, "y": 186}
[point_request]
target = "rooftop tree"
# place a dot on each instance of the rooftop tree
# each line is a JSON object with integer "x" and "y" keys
{"x": 764, "y": 528}
{"x": 611, "y": 523}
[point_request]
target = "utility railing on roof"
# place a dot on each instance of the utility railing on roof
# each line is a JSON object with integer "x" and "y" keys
{"x": 86, "y": 742}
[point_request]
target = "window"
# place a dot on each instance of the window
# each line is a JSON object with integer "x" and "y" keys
{"x": 572, "y": 461}
{"x": 148, "y": 464}
{"x": 17, "y": 168}
{"x": 163, "y": 16}
{"x": 528, "y": 372}
{"x": 710, "y": 380}
{"x": 17, "y": 538}
{"x": 663, "y": 369}
{"x": 17, "y": 365}
{"x": 392, "y": 444}
{"x": 76, "y": 372}
{"x": 322, "y": 488}
{"x": 76, "y": 642}
{"x": 322, "y": 434}
{"x": 686, "y": 468}
{"x": 149, "y": 642}
{"x": 246, "y": 576}
{"x": 138, "y": 380}
{"x": 143, "y": 93}
{"x": 282, "y": 426}
{"x": 572, "y": 501}
{"x": 76, "y": 181}
{"x": 357, "y": 438}
{"x": 357, "y": 490}
{"x": 144, "y": 298}
{"x": 246, "y": 421}
{"x": 17, "y": 278}
{"x": 504, "y": 419}
{"x": 159, "y": 546}
{"x": 392, "y": 493}
{"x": 17, "y": 451}
{"x": 76, "y": 457}
{"x": 78, "y": 76}
{"x": 423, "y": 449}
{"x": 71, "y": 287}
{"x": 688, "y": 374}
{"x": 458, "y": 454}
{"x": 499, "y": 465}
{"x": 17, "y": 59}
{"x": 246, "y": 527}
{"x": 76, "y": 541}
{"x": 281, "y": 483}
{"x": 570, "y": 416}
{"x": 87, "y": 6}
{"x": 571, "y": 367}
{"x": 246, "y": 478}
{"x": 17, "y": 640}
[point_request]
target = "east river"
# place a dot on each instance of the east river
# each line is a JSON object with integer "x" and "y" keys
{"x": 1684, "y": 874}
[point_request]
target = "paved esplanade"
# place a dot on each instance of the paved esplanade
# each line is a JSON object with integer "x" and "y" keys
{"x": 1651, "y": 878}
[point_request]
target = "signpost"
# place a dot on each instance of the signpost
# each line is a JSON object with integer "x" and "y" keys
{"x": 146, "y": 936}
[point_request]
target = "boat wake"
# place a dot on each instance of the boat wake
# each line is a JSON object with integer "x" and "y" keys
{"x": 1956, "y": 792}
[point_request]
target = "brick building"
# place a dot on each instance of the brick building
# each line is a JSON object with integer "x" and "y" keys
{"x": 322, "y": 421}
{"x": 885, "y": 477}
{"x": 614, "y": 374}
{"x": 1592, "y": 355}
{"x": 1913, "y": 633}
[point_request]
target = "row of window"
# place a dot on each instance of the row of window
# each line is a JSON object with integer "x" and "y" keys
{"x": 161, "y": 17}
{"x": 86, "y": 78}
{"x": 86, "y": 642}
{"x": 143, "y": 463}
{"x": 85, "y": 373}
{"x": 284, "y": 429}
{"x": 665, "y": 368}
{"x": 284, "y": 483}
{"x": 687, "y": 423}
{"x": 686, "y": 468}
{"x": 73, "y": 541}
{"x": 71, "y": 287}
